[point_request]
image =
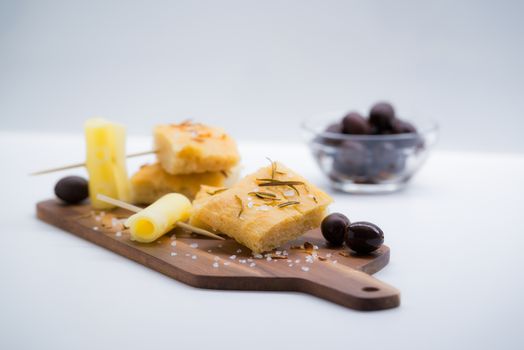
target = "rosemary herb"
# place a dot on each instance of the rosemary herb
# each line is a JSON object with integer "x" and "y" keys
{"x": 264, "y": 195}
{"x": 224, "y": 173}
{"x": 273, "y": 167}
{"x": 285, "y": 204}
{"x": 315, "y": 199}
{"x": 218, "y": 190}
{"x": 274, "y": 182}
{"x": 241, "y": 205}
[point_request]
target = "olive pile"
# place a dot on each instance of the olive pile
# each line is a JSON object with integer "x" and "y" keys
{"x": 372, "y": 160}
{"x": 362, "y": 237}
{"x": 381, "y": 121}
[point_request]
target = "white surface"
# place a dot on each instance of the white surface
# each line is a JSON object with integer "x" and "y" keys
{"x": 456, "y": 238}
{"x": 238, "y": 63}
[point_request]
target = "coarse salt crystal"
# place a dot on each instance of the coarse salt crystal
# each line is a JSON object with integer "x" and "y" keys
{"x": 315, "y": 247}
{"x": 187, "y": 254}
{"x": 215, "y": 264}
{"x": 334, "y": 261}
{"x": 250, "y": 204}
{"x": 269, "y": 258}
{"x": 98, "y": 218}
{"x": 289, "y": 260}
{"x": 305, "y": 268}
{"x": 239, "y": 250}
{"x": 173, "y": 244}
{"x": 290, "y": 265}
{"x": 114, "y": 222}
{"x": 289, "y": 193}
{"x": 216, "y": 258}
{"x": 249, "y": 260}
{"x": 297, "y": 261}
{"x": 226, "y": 263}
{"x": 252, "y": 265}
{"x": 95, "y": 228}
{"x": 285, "y": 253}
{"x": 242, "y": 261}
{"x": 258, "y": 256}
{"x": 209, "y": 251}
{"x": 194, "y": 245}
{"x": 173, "y": 254}
{"x": 118, "y": 234}
{"x": 328, "y": 255}
{"x": 255, "y": 189}
{"x": 233, "y": 257}
{"x": 278, "y": 252}
{"x": 194, "y": 257}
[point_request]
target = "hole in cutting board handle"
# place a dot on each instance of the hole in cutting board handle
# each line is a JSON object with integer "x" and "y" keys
{"x": 370, "y": 289}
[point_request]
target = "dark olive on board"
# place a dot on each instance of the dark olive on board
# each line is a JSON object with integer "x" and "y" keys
{"x": 72, "y": 189}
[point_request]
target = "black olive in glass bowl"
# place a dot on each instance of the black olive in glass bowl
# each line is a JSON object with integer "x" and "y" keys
{"x": 350, "y": 159}
{"x": 402, "y": 127}
{"x": 328, "y": 139}
{"x": 364, "y": 237}
{"x": 381, "y": 117}
{"x": 355, "y": 124}
{"x": 72, "y": 189}
{"x": 387, "y": 161}
{"x": 335, "y": 128}
{"x": 334, "y": 228}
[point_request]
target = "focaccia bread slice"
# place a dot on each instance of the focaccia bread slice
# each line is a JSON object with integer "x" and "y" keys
{"x": 263, "y": 210}
{"x": 151, "y": 182}
{"x": 194, "y": 148}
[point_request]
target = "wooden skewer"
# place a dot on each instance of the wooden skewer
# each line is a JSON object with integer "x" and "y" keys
{"x": 79, "y": 165}
{"x": 118, "y": 203}
{"x": 135, "y": 209}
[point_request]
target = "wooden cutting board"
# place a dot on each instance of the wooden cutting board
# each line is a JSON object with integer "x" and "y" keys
{"x": 207, "y": 263}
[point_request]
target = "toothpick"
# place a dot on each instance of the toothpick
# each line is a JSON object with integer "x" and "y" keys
{"x": 135, "y": 209}
{"x": 79, "y": 165}
{"x": 118, "y": 203}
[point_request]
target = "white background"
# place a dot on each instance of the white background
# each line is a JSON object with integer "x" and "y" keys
{"x": 258, "y": 68}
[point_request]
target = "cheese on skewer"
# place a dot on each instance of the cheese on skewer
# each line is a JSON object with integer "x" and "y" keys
{"x": 135, "y": 209}
{"x": 106, "y": 161}
{"x": 159, "y": 218}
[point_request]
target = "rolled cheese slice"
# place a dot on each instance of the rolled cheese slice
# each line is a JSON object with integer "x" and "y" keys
{"x": 159, "y": 218}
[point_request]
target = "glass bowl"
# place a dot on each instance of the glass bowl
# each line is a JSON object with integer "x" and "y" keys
{"x": 369, "y": 163}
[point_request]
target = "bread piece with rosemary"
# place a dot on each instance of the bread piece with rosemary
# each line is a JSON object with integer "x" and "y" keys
{"x": 188, "y": 148}
{"x": 264, "y": 210}
{"x": 151, "y": 182}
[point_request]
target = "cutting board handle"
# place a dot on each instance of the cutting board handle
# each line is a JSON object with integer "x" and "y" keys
{"x": 354, "y": 289}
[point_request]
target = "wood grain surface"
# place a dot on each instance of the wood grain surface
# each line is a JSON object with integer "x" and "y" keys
{"x": 333, "y": 274}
